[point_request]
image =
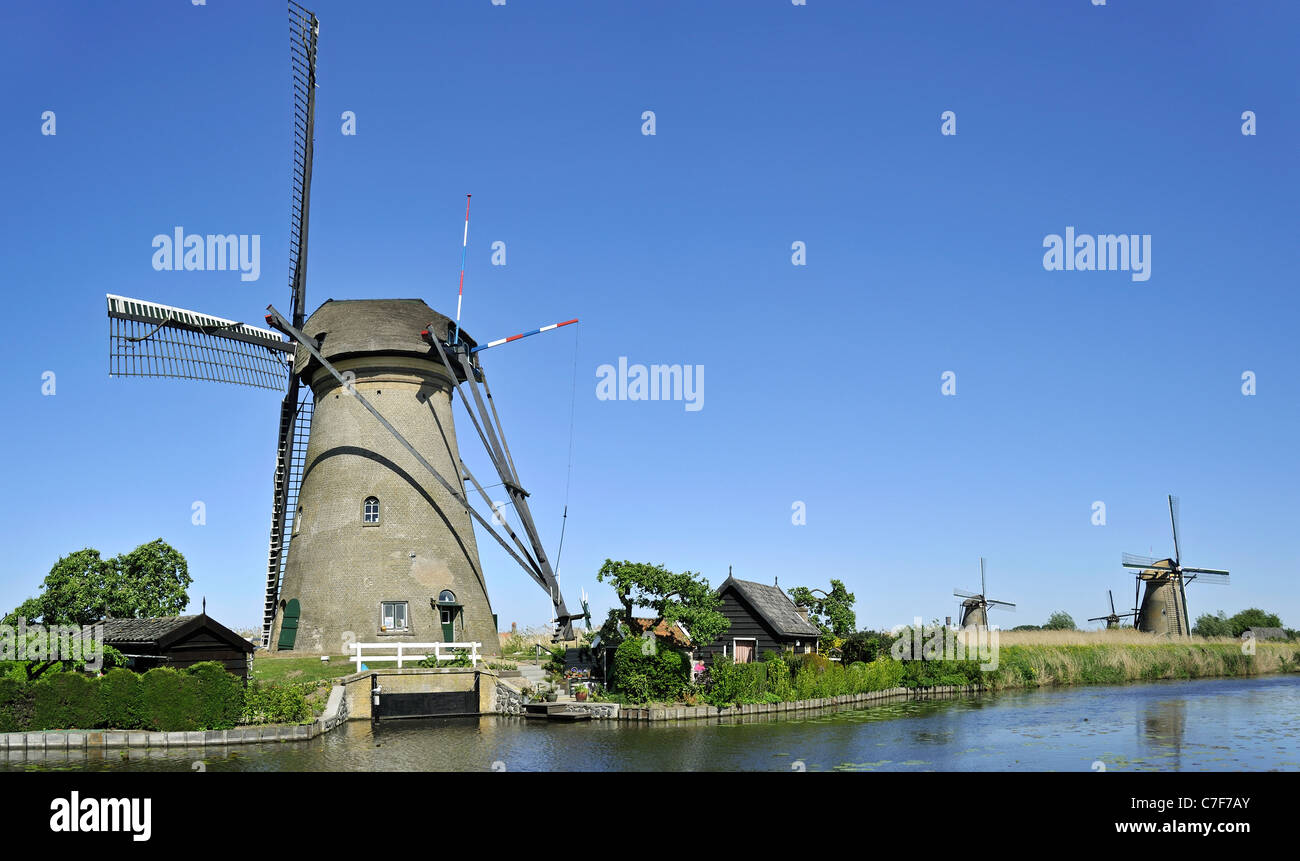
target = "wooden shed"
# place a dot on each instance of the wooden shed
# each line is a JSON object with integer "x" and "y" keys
{"x": 763, "y": 619}
{"x": 178, "y": 642}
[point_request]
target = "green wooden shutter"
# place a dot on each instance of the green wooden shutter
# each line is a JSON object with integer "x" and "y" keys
{"x": 289, "y": 625}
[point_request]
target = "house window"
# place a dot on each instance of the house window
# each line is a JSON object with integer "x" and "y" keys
{"x": 744, "y": 651}
{"x": 392, "y": 616}
{"x": 370, "y": 511}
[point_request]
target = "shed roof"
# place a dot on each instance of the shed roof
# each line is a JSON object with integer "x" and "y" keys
{"x": 675, "y": 634}
{"x": 774, "y": 606}
{"x": 165, "y": 630}
{"x": 1267, "y": 633}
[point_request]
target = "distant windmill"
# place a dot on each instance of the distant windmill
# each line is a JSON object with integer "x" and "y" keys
{"x": 1112, "y": 621}
{"x": 975, "y": 608}
{"x": 1164, "y": 604}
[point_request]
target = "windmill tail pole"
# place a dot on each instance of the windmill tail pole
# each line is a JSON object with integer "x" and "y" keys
{"x": 460, "y": 294}
{"x": 537, "y": 331}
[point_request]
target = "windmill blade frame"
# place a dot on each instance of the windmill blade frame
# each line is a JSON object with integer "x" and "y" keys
{"x": 1211, "y": 578}
{"x": 149, "y": 339}
{"x": 1135, "y": 560}
{"x": 1173, "y": 521}
{"x": 292, "y": 435}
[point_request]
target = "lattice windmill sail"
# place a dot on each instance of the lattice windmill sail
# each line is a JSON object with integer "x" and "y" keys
{"x": 1112, "y": 620}
{"x": 975, "y": 607}
{"x": 1163, "y": 608}
{"x": 374, "y": 506}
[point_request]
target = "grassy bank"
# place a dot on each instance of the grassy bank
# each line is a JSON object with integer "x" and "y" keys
{"x": 1043, "y": 664}
{"x": 299, "y": 670}
{"x": 1030, "y": 660}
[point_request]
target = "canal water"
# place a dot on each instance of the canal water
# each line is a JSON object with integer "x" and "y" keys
{"x": 1206, "y": 725}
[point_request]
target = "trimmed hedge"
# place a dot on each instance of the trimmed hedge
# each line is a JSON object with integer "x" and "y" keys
{"x": 201, "y": 697}
{"x": 65, "y": 700}
{"x": 119, "y": 691}
{"x": 15, "y": 705}
{"x": 170, "y": 699}
{"x": 788, "y": 678}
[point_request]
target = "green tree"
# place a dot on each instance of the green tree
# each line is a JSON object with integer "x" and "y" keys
{"x": 73, "y": 593}
{"x": 1223, "y": 625}
{"x": 832, "y": 612}
{"x": 152, "y": 580}
{"x": 1253, "y": 618}
{"x": 1059, "y": 621}
{"x": 1209, "y": 625}
{"x": 684, "y": 597}
{"x": 83, "y": 587}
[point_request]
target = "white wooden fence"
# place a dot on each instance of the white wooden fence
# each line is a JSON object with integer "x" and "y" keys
{"x": 411, "y": 652}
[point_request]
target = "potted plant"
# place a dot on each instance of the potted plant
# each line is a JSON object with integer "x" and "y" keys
{"x": 551, "y": 696}
{"x": 580, "y": 693}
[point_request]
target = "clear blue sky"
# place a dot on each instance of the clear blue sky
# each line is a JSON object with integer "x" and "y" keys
{"x": 775, "y": 124}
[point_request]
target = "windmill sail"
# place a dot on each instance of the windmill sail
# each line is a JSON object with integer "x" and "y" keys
{"x": 296, "y": 408}
{"x": 148, "y": 339}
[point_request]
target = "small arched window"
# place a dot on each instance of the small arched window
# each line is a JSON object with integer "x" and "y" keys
{"x": 370, "y": 511}
{"x": 447, "y": 597}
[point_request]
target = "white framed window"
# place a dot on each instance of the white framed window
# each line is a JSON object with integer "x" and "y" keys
{"x": 370, "y": 511}
{"x": 392, "y": 616}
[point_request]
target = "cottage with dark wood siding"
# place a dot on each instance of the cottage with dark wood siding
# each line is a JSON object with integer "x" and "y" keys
{"x": 178, "y": 642}
{"x": 763, "y": 619}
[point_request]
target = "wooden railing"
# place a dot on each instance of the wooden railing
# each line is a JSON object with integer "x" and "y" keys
{"x": 412, "y": 652}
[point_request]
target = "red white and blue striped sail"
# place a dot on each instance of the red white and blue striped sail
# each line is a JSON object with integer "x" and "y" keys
{"x": 501, "y": 341}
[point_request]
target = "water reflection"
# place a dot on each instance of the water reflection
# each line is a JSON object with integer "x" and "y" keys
{"x": 1235, "y": 724}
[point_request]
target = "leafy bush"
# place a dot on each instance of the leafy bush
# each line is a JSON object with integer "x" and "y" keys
{"x": 65, "y": 701}
{"x": 266, "y": 702}
{"x": 793, "y": 677}
{"x": 661, "y": 675}
{"x": 120, "y": 699}
{"x": 929, "y": 674}
{"x": 866, "y": 646}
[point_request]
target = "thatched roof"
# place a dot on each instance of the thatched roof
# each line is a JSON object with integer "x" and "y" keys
{"x": 775, "y": 608}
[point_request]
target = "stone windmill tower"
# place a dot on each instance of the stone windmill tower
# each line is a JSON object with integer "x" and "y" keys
{"x": 1163, "y": 609}
{"x": 369, "y": 491}
{"x": 975, "y": 608}
{"x": 380, "y": 549}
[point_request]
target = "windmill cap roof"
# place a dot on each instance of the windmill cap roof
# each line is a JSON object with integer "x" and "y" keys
{"x": 358, "y": 327}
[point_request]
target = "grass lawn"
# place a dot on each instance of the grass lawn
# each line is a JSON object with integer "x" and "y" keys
{"x": 292, "y": 668}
